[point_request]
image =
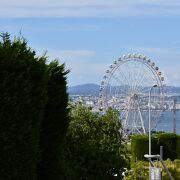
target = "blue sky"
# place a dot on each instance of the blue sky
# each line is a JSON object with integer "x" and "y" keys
{"x": 89, "y": 35}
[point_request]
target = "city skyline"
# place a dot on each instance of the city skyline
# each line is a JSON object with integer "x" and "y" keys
{"x": 89, "y": 35}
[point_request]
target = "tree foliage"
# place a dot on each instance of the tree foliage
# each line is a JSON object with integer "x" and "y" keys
{"x": 23, "y": 97}
{"x": 54, "y": 124}
{"x": 140, "y": 170}
{"x": 33, "y": 112}
{"x": 94, "y": 148}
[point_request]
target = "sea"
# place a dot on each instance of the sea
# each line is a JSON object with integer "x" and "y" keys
{"x": 166, "y": 122}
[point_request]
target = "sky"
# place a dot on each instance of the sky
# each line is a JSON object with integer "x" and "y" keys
{"x": 88, "y": 35}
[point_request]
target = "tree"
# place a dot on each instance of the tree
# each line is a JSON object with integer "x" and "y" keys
{"x": 33, "y": 112}
{"x": 54, "y": 124}
{"x": 94, "y": 148}
{"x": 23, "y": 96}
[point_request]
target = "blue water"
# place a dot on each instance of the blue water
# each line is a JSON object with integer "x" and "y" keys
{"x": 166, "y": 122}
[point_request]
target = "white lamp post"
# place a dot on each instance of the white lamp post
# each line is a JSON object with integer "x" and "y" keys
{"x": 154, "y": 173}
{"x": 150, "y": 117}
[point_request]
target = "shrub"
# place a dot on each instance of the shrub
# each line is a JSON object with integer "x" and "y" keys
{"x": 140, "y": 146}
{"x": 178, "y": 147}
{"x": 140, "y": 170}
{"x": 168, "y": 141}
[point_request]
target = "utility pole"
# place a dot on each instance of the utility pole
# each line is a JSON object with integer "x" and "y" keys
{"x": 174, "y": 115}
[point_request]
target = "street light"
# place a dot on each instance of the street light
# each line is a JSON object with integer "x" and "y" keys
{"x": 155, "y": 85}
{"x": 154, "y": 173}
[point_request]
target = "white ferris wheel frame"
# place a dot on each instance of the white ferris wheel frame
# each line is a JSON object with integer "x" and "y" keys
{"x": 103, "y": 101}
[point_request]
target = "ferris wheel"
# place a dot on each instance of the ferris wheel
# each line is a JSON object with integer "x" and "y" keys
{"x": 134, "y": 86}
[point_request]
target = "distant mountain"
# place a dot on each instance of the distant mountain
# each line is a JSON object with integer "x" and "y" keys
{"x": 93, "y": 89}
{"x": 84, "y": 89}
{"x": 173, "y": 93}
{"x": 172, "y": 89}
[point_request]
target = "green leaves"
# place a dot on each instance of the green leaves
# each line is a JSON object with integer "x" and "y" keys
{"x": 23, "y": 97}
{"x": 33, "y": 112}
{"x": 54, "y": 124}
{"x": 93, "y": 144}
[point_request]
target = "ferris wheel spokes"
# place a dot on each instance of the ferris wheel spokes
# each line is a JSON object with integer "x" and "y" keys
{"x": 125, "y": 87}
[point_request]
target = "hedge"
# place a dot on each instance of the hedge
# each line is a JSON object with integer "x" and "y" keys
{"x": 33, "y": 113}
{"x": 22, "y": 100}
{"x": 139, "y": 146}
{"x": 168, "y": 141}
{"x": 54, "y": 124}
{"x": 178, "y": 147}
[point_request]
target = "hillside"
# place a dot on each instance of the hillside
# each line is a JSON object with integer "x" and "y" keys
{"x": 93, "y": 89}
{"x": 84, "y": 89}
{"x": 172, "y": 89}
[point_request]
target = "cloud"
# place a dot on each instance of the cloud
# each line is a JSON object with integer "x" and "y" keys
{"x": 81, "y": 63}
{"x": 86, "y": 68}
{"x": 88, "y": 8}
{"x": 86, "y": 72}
{"x": 168, "y": 61}
{"x": 168, "y": 52}
{"x": 172, "y": 76}
{"x": 76, "y": 53}
{"x": 67, "y": 55}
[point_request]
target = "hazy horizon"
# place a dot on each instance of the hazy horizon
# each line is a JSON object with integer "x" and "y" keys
{"x": 99, "y": 85}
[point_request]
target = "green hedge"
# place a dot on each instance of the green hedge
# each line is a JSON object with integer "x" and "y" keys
{"x": 22, "y": 100}
{"x": 178, "y": 147}
{"x": 54, "y": 124}
{"x": 168, "y": 141}
{"x": 33, "y": 113}
{"x": 139, "y": 146}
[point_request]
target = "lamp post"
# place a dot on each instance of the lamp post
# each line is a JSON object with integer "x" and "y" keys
{"x": 155, "y": 85}
{"x": 154, "y": 173}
